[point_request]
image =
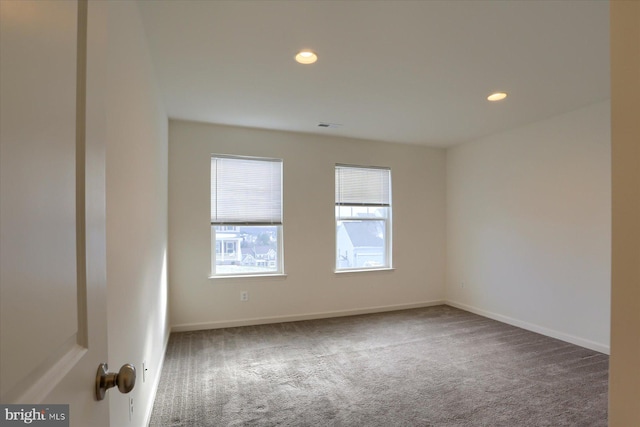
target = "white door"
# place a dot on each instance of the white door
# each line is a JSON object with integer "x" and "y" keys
{"x": 53, "y": 331}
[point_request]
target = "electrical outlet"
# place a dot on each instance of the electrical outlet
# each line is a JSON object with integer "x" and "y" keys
{"x": 244, "y": 296}
{"x": 130, "y": 408}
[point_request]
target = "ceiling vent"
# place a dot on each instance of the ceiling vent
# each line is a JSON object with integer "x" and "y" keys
{"x": 329, "y": 125}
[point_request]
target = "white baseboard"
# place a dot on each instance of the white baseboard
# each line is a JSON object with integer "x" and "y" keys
{"x": 185, "y": 327}
{"x": 156, "y": 382}
{"x": 534, "y": 328}
{"x": 297, "y": 317}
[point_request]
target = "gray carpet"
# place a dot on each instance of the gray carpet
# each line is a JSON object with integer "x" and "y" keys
{"x": 435, "y": 366}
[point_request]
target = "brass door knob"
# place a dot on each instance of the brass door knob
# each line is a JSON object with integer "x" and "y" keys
{"x": 125, "y": 379}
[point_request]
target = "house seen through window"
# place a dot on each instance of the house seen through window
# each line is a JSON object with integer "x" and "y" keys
{"x": 246, "y": 216}
{"x": 363, "y": 217}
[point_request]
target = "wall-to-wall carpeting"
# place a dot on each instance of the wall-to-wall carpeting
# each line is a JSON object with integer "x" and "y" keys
{"x": 435, "y": 366}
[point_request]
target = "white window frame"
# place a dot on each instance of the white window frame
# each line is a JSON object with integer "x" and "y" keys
{"x": 388, "y": 265}
{"x": 233, "y": 225}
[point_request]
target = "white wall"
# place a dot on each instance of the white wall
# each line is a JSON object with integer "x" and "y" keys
{"x": 136, "y": 214}
{"x": 528, "y": 226}
{"x": 311, "y": 288}
{"x": 624, "y": 374}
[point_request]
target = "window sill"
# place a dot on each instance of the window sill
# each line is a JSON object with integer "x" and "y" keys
{"x": 248, "y": 276}
{"x": 364, "y": 270}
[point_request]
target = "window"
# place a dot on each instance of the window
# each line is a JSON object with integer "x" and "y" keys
{"x": 246, "y": 216}
{"x": 363, "y": 218}
{"x": 230, "y": 247}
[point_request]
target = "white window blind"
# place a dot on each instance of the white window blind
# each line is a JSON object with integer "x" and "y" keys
{"x": 363, "y": 186}
{"x": 246, "y": 191}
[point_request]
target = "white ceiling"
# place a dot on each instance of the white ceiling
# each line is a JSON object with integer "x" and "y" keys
{"x": 402, "y": 71}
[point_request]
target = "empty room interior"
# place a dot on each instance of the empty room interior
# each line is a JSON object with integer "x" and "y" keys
{"x": 492, "y": 214}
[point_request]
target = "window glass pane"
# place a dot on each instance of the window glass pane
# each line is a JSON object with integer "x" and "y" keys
{"x": 354, "y": 212}
{"x": 361, "y": 244}
{"x": 247, "y": 249}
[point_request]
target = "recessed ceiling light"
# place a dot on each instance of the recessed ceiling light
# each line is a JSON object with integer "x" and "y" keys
{"x": 306, "y": 57}
{"x": 497, "y": 96}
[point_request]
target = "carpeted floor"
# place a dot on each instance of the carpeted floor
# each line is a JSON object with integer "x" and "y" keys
{"x": 435, "y": 366}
